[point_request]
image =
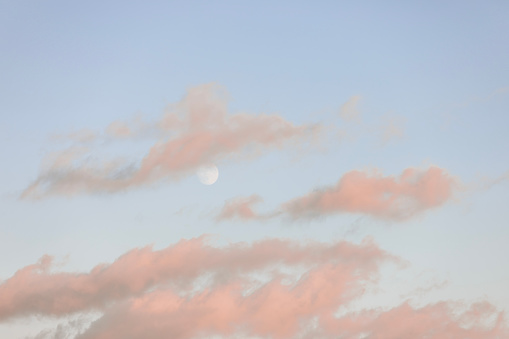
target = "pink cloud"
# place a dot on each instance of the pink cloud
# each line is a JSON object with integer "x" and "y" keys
{"x": 281, "y": 311}
{"x": 413, "y": 192}
{"x": 118, "y": 129}
{"x": 399, "y": 198}
{"x": 274, "y": 310}
{"x": 36, "y": 290}
{"x": 162, "y": 294}
{"x": 196, "y": 131}
{"x": 241, "y": 208}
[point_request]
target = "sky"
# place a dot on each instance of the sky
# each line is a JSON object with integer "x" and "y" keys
{"x": 361, "y": 151}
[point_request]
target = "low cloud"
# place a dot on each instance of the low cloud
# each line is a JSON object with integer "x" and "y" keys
{"x": 163, "y": 294}
{"x": 197, "y": 130}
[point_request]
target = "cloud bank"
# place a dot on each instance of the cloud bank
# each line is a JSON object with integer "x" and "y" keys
{"x": 194, "y": 290}
{"x": 197, "y": 130}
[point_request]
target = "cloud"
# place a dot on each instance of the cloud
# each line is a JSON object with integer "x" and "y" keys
{"x": 119, "y": 129}
{"x": 36, "y": 290}
{"x": 162, "y": 294}
{"x": 435, "y": 321}
{"x": 196, "y": 131}
{"x": 387, "y": 197}
{"x": 349, "y": 110}
{"x": 486, "y": 183}
{"x": 240, "y": 208}
{"x": 392, "y": 128}
{"x": 81, "y": 136}
{"x": 413, "y": 192}
{"x": 280, "y": 311}
{"x": 273, "y": 310}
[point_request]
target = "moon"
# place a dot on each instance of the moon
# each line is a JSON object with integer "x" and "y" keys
{"x": 207, "y": 174}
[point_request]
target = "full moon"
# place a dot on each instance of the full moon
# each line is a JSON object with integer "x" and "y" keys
{"x": 207, "y": 174}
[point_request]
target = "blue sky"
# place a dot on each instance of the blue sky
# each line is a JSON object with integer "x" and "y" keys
{"x": 438, "y": 72}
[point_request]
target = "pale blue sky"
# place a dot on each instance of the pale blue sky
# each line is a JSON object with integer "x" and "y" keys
{"x": 438, "y": 67}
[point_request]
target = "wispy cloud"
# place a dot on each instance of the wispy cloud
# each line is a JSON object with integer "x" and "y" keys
{"x": 243, "y": 208}
{"x": 82, "y": 136}
{"x": 392, "y": 127}
{"x": 349, "y": 110}
{"x": 196, "y": 131}
{"x": 413, "y": 192}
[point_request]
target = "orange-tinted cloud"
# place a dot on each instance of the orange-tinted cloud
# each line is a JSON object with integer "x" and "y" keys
{"x": 388, "y": 197}
{"x": 196, "y": 131}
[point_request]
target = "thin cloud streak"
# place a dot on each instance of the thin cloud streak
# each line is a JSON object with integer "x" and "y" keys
{"x": 349, "y": 110}
{"x": 196, "y": 131}
{"x": 242, "y": 208}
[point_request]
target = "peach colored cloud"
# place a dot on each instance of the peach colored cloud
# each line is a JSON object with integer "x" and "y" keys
{"x": 274, "y": 310}
{"x": 162, "y": 294}
{"x": 241, "y": 208}
{"x": 388, "y": 197}
{"x": 196, "y": 131}
{"x": 36, "y": 290}
{"x": 397, "y": 198}
{"x": 305, "y": 309}
{"x": 81, "y": 136}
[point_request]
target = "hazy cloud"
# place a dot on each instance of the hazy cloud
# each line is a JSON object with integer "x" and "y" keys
{"x": 196, "y": 131}
{"x": 413, "y": 192}
{"x": 392, "y": 127}
{"x": 36, "y": 290}
{"x": 81, "y": 136}
{"x": 349, "y": 110}
{"x": 241, "y": 208}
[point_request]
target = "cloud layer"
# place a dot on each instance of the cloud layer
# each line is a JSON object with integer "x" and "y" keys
{"x": 413, "y": 192}
{"x": 271, "y": 288}
{"x": 196, "y": 131}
